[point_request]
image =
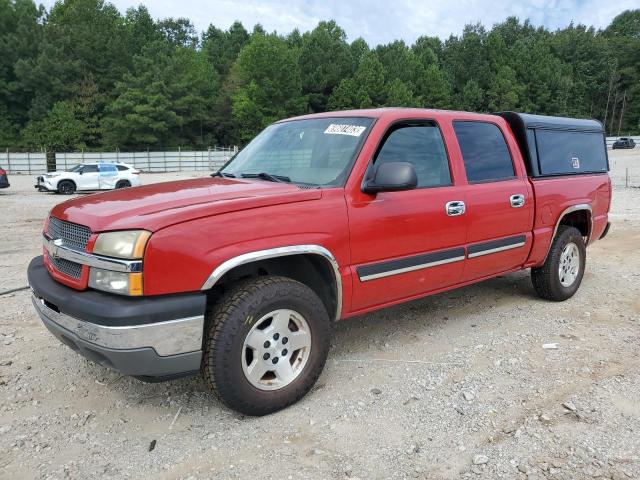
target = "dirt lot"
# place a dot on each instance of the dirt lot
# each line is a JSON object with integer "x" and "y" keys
{"x": 457, "y": 385}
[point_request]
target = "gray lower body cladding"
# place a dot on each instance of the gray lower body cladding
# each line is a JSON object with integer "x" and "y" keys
{"x": 150, "y": 338}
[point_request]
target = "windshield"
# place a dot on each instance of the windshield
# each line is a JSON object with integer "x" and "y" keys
{"x": 75, "y": 168}
{"x": 317, "y": 151}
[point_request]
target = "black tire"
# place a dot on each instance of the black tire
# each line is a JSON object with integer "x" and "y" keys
{"x": 229, "y": 324}
{"x": 66, "y": 187}
{"x": 546, "y": 279}
{"x": 123, "y": 184}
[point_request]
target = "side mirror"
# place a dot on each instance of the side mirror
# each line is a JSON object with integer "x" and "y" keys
{"x": 391, "y": 177}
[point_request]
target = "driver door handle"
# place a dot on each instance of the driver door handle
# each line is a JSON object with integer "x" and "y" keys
{"x": 454, "y": 208}
{"x": 517, "y": 201}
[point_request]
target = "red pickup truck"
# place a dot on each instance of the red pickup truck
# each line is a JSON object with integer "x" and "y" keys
{"x": 319, "y": 218}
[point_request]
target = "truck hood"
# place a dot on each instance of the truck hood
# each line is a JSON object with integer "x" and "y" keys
{"x": 156, "y": 206}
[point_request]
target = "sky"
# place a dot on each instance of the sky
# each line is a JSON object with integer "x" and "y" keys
{"x": 382, "y": 21}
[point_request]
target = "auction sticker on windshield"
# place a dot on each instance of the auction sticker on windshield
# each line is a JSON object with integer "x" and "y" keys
{"x": 352, "y": 130}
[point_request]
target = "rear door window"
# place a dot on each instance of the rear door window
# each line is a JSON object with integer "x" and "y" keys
{"x": 108, "y": 170}
{"x": 484, "y": 151}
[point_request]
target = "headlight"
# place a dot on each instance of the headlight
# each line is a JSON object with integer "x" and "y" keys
{"x": 52, "y": 175}
{"x": 116, "y": 282}
{"x": 127, "y": 244}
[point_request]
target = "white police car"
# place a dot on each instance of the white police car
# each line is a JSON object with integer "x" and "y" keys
{"x": 89, "y": 176}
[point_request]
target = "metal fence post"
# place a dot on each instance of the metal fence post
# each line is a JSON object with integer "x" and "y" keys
{"x": 626, "y": 177}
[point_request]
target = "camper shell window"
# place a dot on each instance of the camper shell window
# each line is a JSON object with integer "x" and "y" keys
{"x": 559, "y": 146}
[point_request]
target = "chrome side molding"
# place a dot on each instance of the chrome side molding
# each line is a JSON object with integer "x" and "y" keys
{"x": 285, "y": 251}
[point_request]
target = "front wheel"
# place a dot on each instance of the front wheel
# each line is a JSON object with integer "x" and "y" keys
{"x": 66, "y": 187}
{"x": 266, "y": 344}
{"x": 560, "y": 276}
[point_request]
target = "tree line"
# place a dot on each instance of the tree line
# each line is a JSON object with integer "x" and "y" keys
{"x": 82, "y": 75}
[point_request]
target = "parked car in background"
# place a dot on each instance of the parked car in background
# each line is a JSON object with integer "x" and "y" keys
{"x": 89, "y": 176}
{"x": 318, "y": 219}
{"x": 624, "y": 142}
{"x": 4, "y": 180}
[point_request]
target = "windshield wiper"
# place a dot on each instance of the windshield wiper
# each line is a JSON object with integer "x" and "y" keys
{"x": 223, "y": 174}
{"x": 267, "y": 176}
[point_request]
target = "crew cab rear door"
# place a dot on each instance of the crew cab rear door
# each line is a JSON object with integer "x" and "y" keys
{"x": 404, "y": 244}
{"x": 498, "y": 197}
{"x": 108, "y": 176}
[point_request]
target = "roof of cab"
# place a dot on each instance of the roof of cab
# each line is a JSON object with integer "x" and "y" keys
{"x": 395, "y": 113}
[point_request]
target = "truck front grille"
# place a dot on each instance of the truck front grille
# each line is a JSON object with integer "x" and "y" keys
{"x": 72, "y": 235}
{"x": 69, "y": 268}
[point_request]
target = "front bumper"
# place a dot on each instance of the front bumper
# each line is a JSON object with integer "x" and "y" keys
{"x": 44, "y": 185}
{"x": 148, "y": 337}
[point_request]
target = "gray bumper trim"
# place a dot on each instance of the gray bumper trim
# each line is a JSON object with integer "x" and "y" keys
{"x": 143, "y": 363}
{"x": 165, "y": 338}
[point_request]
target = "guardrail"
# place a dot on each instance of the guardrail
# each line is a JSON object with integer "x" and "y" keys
{"x": 23, "y": 162}
{"x": 178, "y": 161}
{"x": 147, "y": 161}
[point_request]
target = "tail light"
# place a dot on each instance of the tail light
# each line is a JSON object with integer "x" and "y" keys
{"x": 3, "y": 172}
{"x": 135, "y": 172}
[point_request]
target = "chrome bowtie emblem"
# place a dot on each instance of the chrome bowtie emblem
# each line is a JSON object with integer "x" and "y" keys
{"x": 55, "y": 246}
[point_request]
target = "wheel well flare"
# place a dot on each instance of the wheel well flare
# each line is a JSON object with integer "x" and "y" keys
{"x": 312, "y": 265}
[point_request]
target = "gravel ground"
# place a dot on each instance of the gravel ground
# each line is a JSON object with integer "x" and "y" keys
{"x": 457, "y": 385}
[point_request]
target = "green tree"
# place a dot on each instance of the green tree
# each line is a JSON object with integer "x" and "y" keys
{"x": 20, "y": 32}
{"x": 163, "y": 102}
{"x": 178, "y": 32}
{"x": 325, "y": 59}
{"x": 222, "y": 47}
{"x": 433, "y": 88}
{"x": 358, "y": 49}
{"x": 399, "y": 94}
{"x": 270, "y": 85}
{"x": 135, "y": 82}
{"x": 623, "y": 37}
{"x": 141, "y": 30}
{"x": 367, "y": 88}
{"x": 472, "y": 97}
{"x": 503, "y": 94}
{"x": 60, "y": 130}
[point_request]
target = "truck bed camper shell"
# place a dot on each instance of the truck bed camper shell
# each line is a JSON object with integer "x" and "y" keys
{"x": 559, "y": 146}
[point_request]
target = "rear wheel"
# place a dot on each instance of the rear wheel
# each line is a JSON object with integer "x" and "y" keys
{"x": 560, "y": 276}
{"x": 123, "y": 184}
{"x": 266, "y": 344}
{"x": 66, "y": 187}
